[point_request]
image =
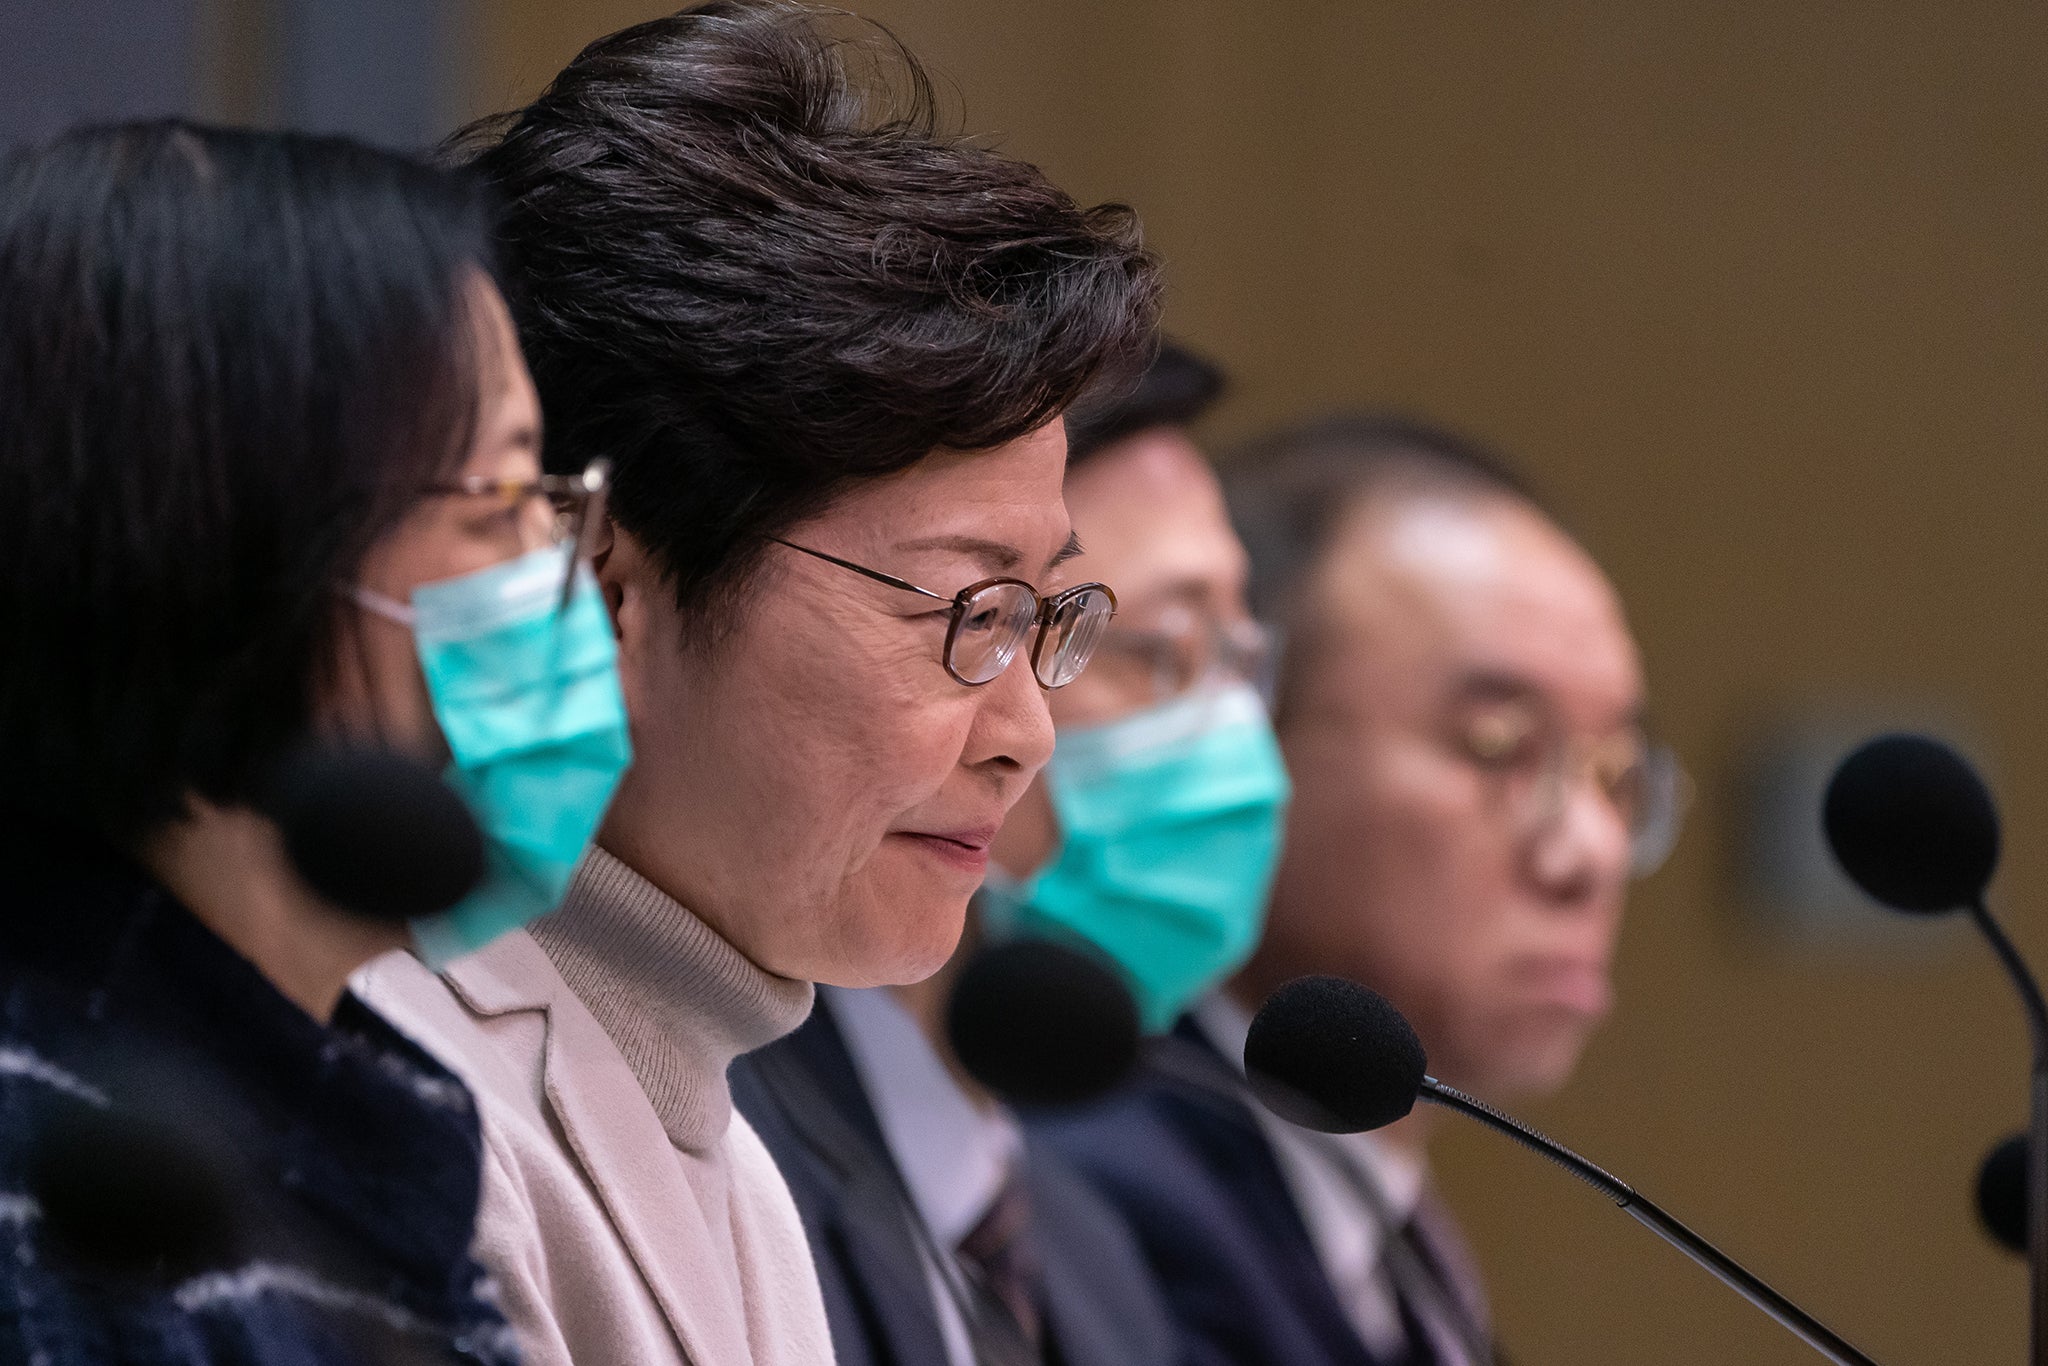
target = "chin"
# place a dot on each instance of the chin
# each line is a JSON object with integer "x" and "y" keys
{"x": 906, "y": 940}
{"x": 1541, "y": 1068}
{"x": 1527, "y": 1058}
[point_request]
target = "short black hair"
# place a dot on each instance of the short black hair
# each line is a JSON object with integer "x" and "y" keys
{"x": 750, "y": 269}
{"x": 1291, "y": 490}
{"x": 229, "y": 361}
{"x": 1174, "y": 391}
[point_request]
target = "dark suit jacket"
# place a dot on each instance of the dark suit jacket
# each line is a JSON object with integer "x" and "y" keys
{"x": 1195, "y": 1178}
{"x": 1101, "y": 1305}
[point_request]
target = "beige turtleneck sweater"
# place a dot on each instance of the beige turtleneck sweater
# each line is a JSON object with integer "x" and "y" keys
{"x": 628, "y": 1214}
{"x": 679, "y": 1001}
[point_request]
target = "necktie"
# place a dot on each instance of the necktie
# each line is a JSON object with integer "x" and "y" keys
{"x": 998, "y": 1252}
{"x": 1446, "y": 1296}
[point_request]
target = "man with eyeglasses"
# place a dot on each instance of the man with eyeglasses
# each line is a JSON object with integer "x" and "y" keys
{"x": 944, "y": 1235}
{"x": 1461, "y": 707}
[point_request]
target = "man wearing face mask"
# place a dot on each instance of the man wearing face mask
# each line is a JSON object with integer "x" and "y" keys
{"x": 1461, "y": 707}
{"x": 943, "y": 1234}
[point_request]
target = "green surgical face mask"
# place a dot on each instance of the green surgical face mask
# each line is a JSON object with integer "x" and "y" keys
{"x": 1170, "y": 825}
{"x": 525, "y": 686}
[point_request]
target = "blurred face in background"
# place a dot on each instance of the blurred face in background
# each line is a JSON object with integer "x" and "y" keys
{"x": 384, "y": 695}
{"x": 1153, "y": 526}
{"x": 1462, "y": 720}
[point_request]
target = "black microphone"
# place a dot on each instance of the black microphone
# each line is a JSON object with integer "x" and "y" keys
{"x": 1913, "y": 825}
{"x": 1041, "y": 1024}
{"x": 1332, "y": 1055}
{"x": 374, "y": 832}
{"x": 2002, "y": 1194}
{"x": 130, "y": 1197}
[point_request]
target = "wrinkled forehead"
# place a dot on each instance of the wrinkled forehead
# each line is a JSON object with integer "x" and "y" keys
{"x": 1424, "y": 594}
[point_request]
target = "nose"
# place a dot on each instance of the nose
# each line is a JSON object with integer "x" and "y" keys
{"x": 1582, "y": 856}
{"x": 1012, "y": 732}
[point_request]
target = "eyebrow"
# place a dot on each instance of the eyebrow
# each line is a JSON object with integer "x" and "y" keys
{"x": 1066, "y": 552}
{"x": 994, "y": 555}
{"x": 1495, "y": 685}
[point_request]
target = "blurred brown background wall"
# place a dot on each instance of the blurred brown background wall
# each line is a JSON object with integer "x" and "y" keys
{"x": 1756, "y": 291}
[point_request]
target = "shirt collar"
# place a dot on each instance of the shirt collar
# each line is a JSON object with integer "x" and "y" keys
{"x": 1400, "y": 1175}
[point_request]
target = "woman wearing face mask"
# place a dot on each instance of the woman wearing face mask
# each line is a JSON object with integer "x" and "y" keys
{"x": 261, "y": 399}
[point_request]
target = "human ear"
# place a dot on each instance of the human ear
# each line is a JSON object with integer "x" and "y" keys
{"x": 603, "y": 540}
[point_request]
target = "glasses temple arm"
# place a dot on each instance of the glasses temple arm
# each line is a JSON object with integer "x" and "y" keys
{"x": 877, "y": 575}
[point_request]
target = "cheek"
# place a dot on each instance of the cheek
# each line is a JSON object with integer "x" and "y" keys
{"x": 851, "y": 724}
{"x": 1392, "y": 863}
{"x": 882, "y": 729}
{"x": 378, "y": 694}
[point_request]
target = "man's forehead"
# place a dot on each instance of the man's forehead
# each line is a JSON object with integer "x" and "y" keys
{"x": 1151, "y": 514}
{"x": 1475, "y": 588}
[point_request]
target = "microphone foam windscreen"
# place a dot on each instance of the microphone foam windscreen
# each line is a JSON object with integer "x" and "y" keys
{"x": 1042, "y": 1024}
{"x": 1332, "y": 1055}
{"x": 376, "y": 833}
{"x": 1912, "y": 824}
{"x": 2001, "y": 1194}
{"x": 126, "y": 1196}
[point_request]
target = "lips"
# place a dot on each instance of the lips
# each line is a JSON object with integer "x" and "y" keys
{"x": 1579, "y": 985}
{"x": 965, "y": 849}
{"x": 978, "y": 837}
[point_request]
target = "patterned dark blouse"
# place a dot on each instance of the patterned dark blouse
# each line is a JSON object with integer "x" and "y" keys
{"x": 193, "y": 1170}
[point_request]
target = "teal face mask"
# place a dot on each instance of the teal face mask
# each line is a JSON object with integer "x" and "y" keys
{"x": 1170, "y": 825}
{"x": 526, "y": 689}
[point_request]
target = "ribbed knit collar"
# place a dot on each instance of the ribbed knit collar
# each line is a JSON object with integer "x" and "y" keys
{"x": 679, "y": 1000}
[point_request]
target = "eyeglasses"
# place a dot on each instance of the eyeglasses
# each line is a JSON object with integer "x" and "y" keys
{"x": 991, "y": 619}
{"x": 576, "y": 503}
{"x": 1639, "y": 778}
{"x": 1182, "y": 651}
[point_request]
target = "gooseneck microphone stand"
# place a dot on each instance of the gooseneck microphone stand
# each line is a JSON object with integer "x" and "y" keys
{"x": 1717, "y": 1263}
{"x": 2037, "y": 1120}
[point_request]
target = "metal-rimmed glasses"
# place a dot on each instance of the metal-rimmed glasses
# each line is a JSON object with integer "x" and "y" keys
{"x": 1639, "y": 778}
{"x": 991, "y": 619}
{"x": 576, "y": 502}
{"x": 1180, "y": 650}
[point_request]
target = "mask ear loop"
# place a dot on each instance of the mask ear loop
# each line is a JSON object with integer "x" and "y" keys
{"x": 391, "y": 610}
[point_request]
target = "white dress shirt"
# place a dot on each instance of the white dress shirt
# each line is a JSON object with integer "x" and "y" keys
{"x": 953, "y": 1151}
{"x": 1350, "y": 1238}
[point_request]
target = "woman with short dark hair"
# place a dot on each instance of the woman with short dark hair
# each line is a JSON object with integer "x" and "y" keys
{"x": 271, "y": 454}
{"x": 827, "y": 345}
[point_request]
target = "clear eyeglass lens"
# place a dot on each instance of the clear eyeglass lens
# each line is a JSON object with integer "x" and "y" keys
{"x": 992, "y": 627}
{"x": 1244, "y": 649}
{"x": 1640, "y": 780}
{"x": 1072, "y": 635}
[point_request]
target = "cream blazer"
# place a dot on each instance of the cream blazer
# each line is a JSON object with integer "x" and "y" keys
{"x": 608, "y": 1243}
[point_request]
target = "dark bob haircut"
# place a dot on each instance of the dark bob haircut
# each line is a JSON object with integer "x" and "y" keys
{"x": 229, "y": 361}
{"x": 750, "y": 269}
{"x": 1174, "y": 391}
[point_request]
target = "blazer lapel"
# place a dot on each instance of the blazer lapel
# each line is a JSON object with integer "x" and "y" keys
{"x": 614, "y": 1135}
{"x": 812, "y": 1078}
{"x": 1226, "y": 1136}
{"x": 1074, "y": 1310}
